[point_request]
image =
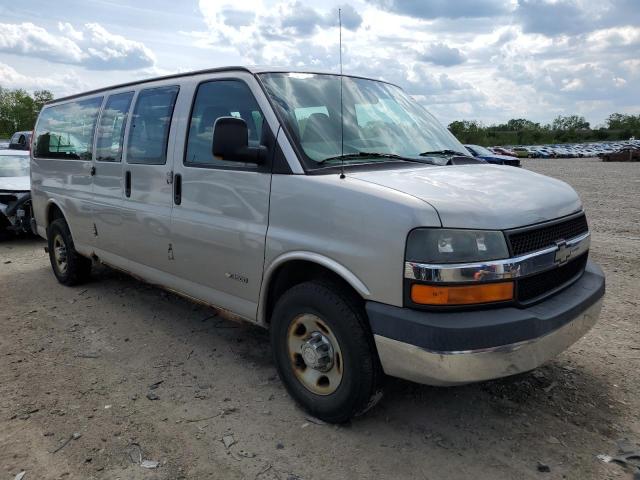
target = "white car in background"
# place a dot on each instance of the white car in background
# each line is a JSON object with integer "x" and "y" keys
{"x": 15, "y": 192}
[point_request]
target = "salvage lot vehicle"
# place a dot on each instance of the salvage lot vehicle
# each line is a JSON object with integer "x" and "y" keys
{"x": 490, "y": 157}
{"x": 20, "y": 141}
{"x": 521, "y": 152}
{"x": 626, "y": 154}
{"x": 503, "y": 151}
{"x": 15, "y": 192}
{"x": 342, "y": 223}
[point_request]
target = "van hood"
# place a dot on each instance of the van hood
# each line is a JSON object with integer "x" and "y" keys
{"x": 15, "y": 184}
{"x": 482, "y": 196}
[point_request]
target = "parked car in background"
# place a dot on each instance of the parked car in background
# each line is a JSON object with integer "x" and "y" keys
{"x": 567, "y": 150}
{"x": 503, "y": 151}
{"x": 563, "y": 152}
{"x": 541, "y": 152}
{"x": 521, "y": 152}
{"x": 20, "y": 141}
{"x": 490, "y": 157}
{"x": 4, "y": 144}
{"x": 15, "y": 192}
{"x": 626, "y": 154}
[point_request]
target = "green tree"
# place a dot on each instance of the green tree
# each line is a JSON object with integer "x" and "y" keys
{"x": 519, "y": 124}
{"x": 19, "y": 110}
{"x": 570, "y": 122}
{"x": 40, "y": 97}
{"x": 622, "y": 121}
{"x": 469, "y": 131}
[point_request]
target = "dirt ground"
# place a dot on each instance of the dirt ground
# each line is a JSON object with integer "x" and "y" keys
{"x": 78, "y": 367}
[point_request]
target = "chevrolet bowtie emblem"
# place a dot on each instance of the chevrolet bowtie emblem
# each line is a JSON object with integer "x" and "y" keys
{"x": 563, "y": 253}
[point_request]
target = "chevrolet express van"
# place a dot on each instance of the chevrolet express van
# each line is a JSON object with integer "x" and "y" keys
{"x": 332, "y": 210}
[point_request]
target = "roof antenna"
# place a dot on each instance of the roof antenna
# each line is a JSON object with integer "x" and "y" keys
{"x": 341, "y": 105}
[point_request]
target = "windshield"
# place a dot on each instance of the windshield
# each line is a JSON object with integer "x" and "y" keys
{"x": 378, "y": 117}
{"x": 14, "y": 165}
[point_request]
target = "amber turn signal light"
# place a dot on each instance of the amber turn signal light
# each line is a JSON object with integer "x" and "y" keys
{"x": 462, "y": 294}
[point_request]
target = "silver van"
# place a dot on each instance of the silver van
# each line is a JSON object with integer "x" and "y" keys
{"x": 332, "y": 210}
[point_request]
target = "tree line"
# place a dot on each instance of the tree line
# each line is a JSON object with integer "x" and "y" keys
{"x": 19, "y": 109}
{"x": 563, "y": 129}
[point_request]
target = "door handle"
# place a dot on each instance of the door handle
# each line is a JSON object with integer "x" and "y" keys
{"x": 92, "y": 172}
{"x": 177, "y": 189}
{"x": 127, "y": 183}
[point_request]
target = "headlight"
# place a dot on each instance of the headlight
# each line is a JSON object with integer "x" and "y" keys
{"x": 438, "y": 245}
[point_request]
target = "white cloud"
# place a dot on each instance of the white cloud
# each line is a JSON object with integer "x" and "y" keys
{"x": 62, "y": 84}
{"x": 442, "y": 54}
{"x": 489, "y": 60}
{"x": 92, "y": 47}
{"x": 67, "y": 29}
{"x": 109, "y": 51}
{"x": 29, "y": 39}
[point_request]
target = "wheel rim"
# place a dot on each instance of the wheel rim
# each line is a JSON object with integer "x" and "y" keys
{"x": 315, "y": 355}
{"x": 60, "y": 254}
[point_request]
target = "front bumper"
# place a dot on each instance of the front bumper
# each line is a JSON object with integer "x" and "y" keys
{"x": 453, "y": 348}
{"x": 15, "y": 207}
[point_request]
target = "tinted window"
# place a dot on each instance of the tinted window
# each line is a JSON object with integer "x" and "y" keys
{"x": 111, "y": 129}
{"x": 149, "y": 132}
{"x": 66, "y": 130}
{"x": 224, "y": 98}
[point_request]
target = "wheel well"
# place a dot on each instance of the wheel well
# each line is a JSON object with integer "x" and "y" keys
{"x": 53, "y": 213}
{"x": 295, "y": 272}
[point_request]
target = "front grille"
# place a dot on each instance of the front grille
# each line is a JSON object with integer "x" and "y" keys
{"x": 531, "y": 288}
{"x": 537, "y": 238}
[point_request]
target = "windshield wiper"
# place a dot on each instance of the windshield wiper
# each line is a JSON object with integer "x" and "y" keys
{"x": 443, "y": 152}
{"x": 358, "y": 155}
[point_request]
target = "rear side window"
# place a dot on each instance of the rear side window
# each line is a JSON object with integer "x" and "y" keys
{"x": 111, "y": 129}
{"x": 66, "y": 131}
{"x": 149, "y": 131}
{"x": 215, "y": 99}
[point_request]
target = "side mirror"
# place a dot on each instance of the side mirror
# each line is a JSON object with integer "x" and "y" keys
{"x": 231, "y": 142}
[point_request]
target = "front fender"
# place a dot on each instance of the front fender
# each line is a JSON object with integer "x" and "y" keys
{"x": 330, "y": 264}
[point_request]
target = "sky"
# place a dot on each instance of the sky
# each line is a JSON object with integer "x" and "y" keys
{"x": 485, "y": 60}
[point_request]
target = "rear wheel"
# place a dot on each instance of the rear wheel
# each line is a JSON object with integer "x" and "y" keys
{"x": 69, "y": 267}
{"x": 324, "y": 352}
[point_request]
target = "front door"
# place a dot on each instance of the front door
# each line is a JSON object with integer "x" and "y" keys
{"x": 108, "y": 179}
{"x": 220, "y": 218}
{"x": 146, "y": 213}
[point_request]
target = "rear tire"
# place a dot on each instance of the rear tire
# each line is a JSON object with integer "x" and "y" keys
{"x": 317, "y": 315}
{"x": 69, "y": 267}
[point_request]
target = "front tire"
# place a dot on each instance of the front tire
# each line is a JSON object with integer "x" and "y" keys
{"x": 69, "y": 267}
{"x": 324, "y": 352}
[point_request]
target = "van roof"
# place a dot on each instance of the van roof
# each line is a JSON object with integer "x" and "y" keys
{"x": 250, "y": 69}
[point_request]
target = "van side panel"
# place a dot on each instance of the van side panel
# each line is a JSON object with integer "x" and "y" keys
{"x": 108, "y": 181}
{"x": 220, "y": 225}
{"x": 146, "y": 211}
{"x": 360, "y": 226}
{"x": 61, "y": 166}
{"x": 67, "y": 183}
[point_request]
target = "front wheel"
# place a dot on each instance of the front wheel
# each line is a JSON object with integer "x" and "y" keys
{"x": 324, "y": 352}
{"x": 69, "y": 267}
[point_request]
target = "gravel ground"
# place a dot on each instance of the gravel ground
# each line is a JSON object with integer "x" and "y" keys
{"x": 94, "y": 376}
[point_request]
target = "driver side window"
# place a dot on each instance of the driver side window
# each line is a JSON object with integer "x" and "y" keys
{"x": 215, "y": 99}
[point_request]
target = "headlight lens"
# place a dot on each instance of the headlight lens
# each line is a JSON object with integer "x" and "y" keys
{"x": 438, "y": 245}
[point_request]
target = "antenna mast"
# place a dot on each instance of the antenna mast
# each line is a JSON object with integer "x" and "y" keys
{"x": 341, "y": 104}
